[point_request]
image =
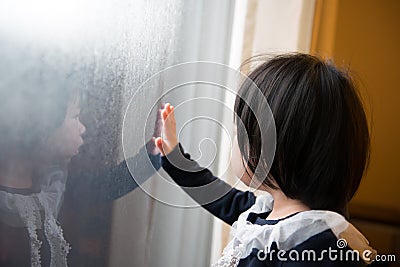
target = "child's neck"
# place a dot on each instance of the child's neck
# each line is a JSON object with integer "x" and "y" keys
{"x": 284, "y": 206}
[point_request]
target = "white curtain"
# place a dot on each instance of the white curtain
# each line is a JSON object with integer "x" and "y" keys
{"x": 146, "y": 232}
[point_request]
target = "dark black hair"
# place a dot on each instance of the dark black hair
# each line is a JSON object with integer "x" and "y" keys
{"x": 322, "y": 136}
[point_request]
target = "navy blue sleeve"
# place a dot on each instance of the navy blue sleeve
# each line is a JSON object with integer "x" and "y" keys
{"x": 121, "y": 180}
{"x": 108, "y": 184}
{"x": 194, "y": 180}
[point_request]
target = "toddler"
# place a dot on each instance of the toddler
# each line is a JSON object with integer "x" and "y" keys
{"x": 322, "y": 151}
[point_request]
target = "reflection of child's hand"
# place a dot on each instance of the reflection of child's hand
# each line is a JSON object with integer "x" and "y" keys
{"x": 151, "y": 147}
{"x": 159, "y": 122}
{"x": 169, "y": 140}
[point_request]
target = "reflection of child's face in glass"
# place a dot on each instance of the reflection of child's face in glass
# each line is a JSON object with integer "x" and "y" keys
{"x": 65, "y": 141}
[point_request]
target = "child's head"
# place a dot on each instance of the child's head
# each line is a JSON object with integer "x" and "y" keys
{"x": 31, "y": 107}
{"x": 322, "y": 138}
{"x": 43, "y": 103}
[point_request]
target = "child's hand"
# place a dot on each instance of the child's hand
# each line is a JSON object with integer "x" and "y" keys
{"x": 169, "y": 140}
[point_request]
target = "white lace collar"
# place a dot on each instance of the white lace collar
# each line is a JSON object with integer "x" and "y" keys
{"x": 286, "y": 233}
{"x": 25, "y": 211}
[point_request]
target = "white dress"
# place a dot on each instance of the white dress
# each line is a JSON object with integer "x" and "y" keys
{"x": 287, "y": 233}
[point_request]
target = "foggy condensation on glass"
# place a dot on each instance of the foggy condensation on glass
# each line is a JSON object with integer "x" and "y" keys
{"x": 67, "y": 72}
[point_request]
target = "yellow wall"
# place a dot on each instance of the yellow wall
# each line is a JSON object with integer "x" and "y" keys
{"x": 365, "y": 35}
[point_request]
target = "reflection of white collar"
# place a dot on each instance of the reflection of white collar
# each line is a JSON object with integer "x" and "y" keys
{"x": 25, "y": 211}
{"x": 287, "y": 233}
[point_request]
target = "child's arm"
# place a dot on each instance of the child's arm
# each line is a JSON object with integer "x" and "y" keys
{"x": 230, "y": 202}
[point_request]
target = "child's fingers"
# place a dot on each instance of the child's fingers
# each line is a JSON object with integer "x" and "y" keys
{"x": 169, "y": 129}
{"x": 170, "y": 113}
{"x": 164, "y": 114}
{"x": 167, "y": 107}
{"x": 170, "y": 124}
